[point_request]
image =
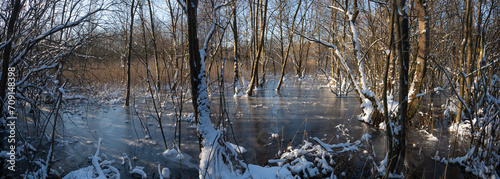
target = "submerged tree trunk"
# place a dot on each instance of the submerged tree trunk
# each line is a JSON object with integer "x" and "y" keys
{"x": 287, "y": 53}
{"x": 212, "y": 145}
{"x": 260, "y": 45}
{"x": 374, "y": 116}
{"x": 199, "y": 93}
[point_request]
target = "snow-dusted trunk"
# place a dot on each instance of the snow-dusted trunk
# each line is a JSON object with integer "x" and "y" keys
{"x": 357, "y": 52}
{"x": 371, "y": 115}
{"x": 387, "y": 118}
{"x": 212, "y": 145}
{"x": 236, "y": 82}
{"x": 370, "y": 105}
{"x": 199, "y": 92}
{"x": 419, "y": 73}
{"x": 404, "y": 55}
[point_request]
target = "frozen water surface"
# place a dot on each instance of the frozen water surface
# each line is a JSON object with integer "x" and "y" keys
{"x": 263, "y": 124}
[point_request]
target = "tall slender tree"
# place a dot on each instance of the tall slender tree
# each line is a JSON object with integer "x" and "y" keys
{"x": 392, "y": 155}
{"x": 259, "y": 44}
{"x": 16, "y": 7}
{"x": 129, "y": 54}
{"x": 289, "y": 46}
{"x": 236, "y": 82}
{"x": 465, "y": 59}
{"x": 419, "y": 73}
{"x": 155, "y": 46}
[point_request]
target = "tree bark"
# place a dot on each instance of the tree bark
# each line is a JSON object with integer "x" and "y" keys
{"x": 387, "y": 117}
{"x": 464, "y": 59}
{"x": 470, "y": 52}
{"x": 236, "y": 82}
{"x": 404, "y": 55}
{"x": 260, "y": 46}
{"x": 16, "y": 7}
{"x": 154, "y": 46}
{"x": 419, "y": 73}
{"x": 127, "y": 98}
{"x": 290, "y": 38}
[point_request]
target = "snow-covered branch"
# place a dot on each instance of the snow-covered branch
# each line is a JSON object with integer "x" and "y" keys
{"x": 454, "y": 90}
{"x": 379, "y": 2}
{"x": 32, "y": 42}
{"x": 343, "y": 62}
{"x": 336, "y": 8}
{"x": 2, "y": 45}
{"x": 482, "y": 68}
{"x": 95, "y": 161}
{"x": 212, "y": 30}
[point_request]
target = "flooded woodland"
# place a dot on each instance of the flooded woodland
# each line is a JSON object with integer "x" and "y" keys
{"x": 250, "y": 89}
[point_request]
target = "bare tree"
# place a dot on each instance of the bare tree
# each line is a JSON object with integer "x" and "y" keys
{"x": 387, "y": 117}
{"x": 236, "y": 82}
{"x": 258, "y": 44}
{"x": 212, "y": 144}
{"x": 284, "y": 58}
{"x": 396, "y": 163}
{"x": 16, "y": 7}
{"x": 419, "y": 73}
{"x": 153, "y": 34}
{"x": 129, "y": 54}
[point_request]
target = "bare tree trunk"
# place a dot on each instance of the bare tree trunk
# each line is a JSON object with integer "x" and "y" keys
{"x": 16, "y": 7}
{"x": 404, "y": 55}
{"x": 355, "y": 44}
{"x": 236, "y": 82}
{"x": 419, "y": 74}
{"x": 479, "y": 49}
{"x": 212, "y": 145}
{"x": 396, "y": 159}
{"x": 173, "y": 52}
{"x": 127, "y": 98}
{"x": 260, "y": 46}
{"x": 389, "y": 132}
{"x": 470, "y": 52}
{"x": 154, "y": 46}
{"x": 287, "y": 53}
{"x": 462, "y": 60}
{"x": 60, "y": 66}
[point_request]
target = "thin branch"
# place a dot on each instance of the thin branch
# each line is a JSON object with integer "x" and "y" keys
{"x": 336, "y": 8}
{"x": 379, "y": 2}
{"x": 482, "y": 68}
{"x": 33, "y": 42}
{"x": 214, "y": 25}
{"x": 182, "y": 4}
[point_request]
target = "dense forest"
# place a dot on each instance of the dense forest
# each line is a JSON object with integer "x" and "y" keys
{"x": 419, "y": 65}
